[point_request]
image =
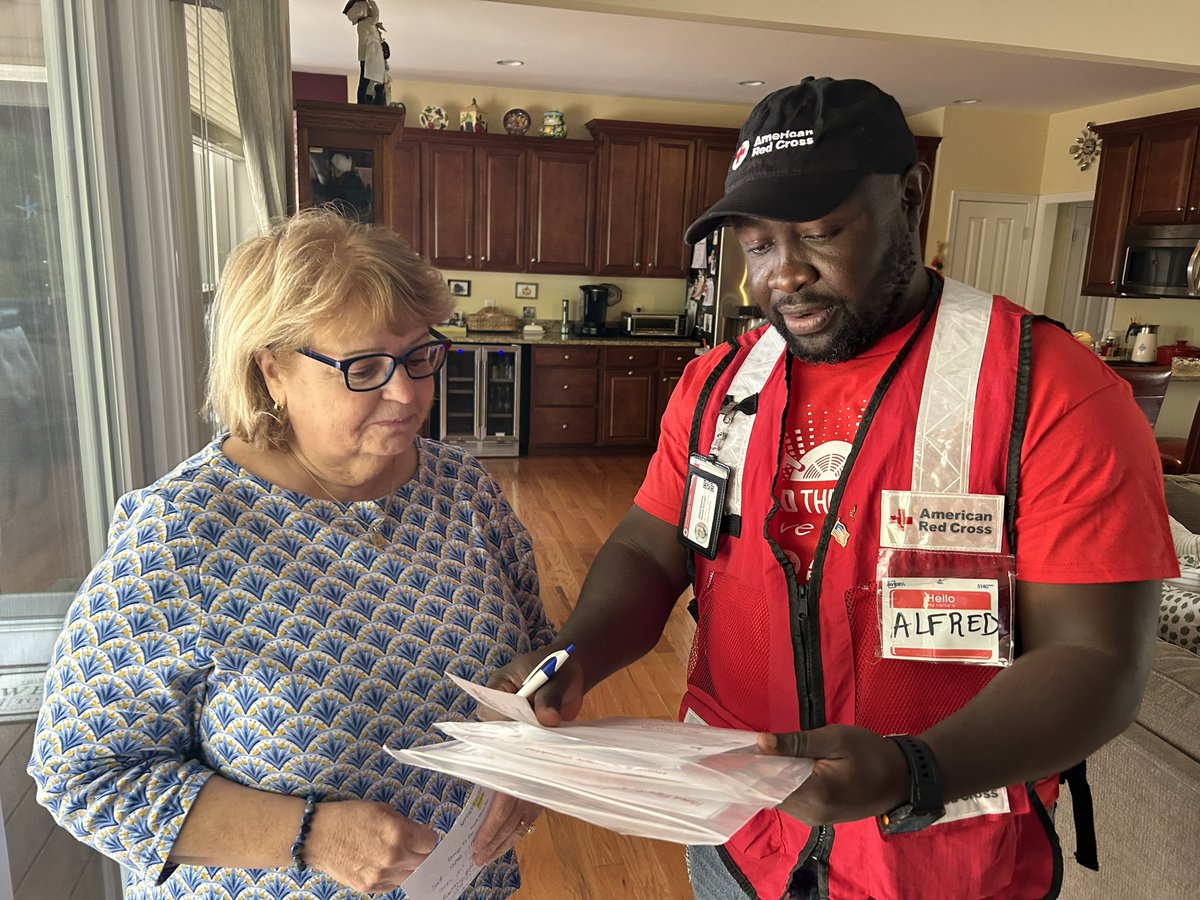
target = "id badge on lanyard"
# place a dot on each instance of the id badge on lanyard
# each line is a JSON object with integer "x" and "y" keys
{"x": 704, "y": 489}
{"x": 945, "y": 587}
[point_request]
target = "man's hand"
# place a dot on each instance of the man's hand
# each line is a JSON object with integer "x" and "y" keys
{"x": 556, "y": 701}
{"x": 856, "y": 773}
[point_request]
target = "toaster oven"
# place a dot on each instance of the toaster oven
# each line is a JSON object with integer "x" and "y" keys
{"x": 652, "y": 324}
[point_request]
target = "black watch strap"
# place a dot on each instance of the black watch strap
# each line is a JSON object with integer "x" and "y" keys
{"x": 924, "y": 806}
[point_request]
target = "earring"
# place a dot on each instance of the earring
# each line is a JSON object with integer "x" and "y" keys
{"x": 278, "y": 407}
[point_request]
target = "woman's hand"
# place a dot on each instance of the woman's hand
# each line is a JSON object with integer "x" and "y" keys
{"x": 506, "y": 821}
{"x": 366, "y": 846}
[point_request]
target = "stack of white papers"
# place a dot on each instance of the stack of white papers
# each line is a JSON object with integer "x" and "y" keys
{"x": 672, "y": 781}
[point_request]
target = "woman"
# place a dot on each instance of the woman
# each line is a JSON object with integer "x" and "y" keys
{"x": 272, "y": 613}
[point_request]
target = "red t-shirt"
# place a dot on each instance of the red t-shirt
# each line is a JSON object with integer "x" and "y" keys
{"x": 1090, "y": 472}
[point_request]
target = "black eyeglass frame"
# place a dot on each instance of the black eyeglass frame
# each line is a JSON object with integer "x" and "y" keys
{"x": 343, "y": 365}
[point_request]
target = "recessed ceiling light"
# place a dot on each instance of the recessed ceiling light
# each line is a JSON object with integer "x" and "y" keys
{"x": 754, "y": 82}
{"x": 967, "y": 101}
{"x": 510, "y": 62}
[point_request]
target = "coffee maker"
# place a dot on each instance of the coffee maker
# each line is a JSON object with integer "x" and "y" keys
{"x": 597, "y": 298}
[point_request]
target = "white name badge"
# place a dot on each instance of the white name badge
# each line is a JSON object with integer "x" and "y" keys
{"x": 985, "y": 803}
{"x": 941, "y": 620}
{"x": 914, "y": 519}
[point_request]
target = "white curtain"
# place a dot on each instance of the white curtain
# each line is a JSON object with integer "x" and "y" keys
{"x": 260, "y": 59}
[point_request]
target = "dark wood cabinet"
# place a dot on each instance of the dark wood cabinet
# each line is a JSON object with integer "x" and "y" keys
{"x": 1162, "y": 184}
{"x": 407, "y": 217}
{"x": 501, "y": 198}
{"x": 671, "y": 364}
{"x": 653, "y": 179}
{"x": 1110, "y": 215}
{"x": 330, "y": 136}
{"x": 562, "y": 402}
{"x": 926, "y": 153}
{"x": 629, "y": 396}
{"x": 448, "y": 191}
{"x": 562, "y": 209}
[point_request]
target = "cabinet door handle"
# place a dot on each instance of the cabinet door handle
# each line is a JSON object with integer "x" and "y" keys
{"x": 628, "y": 373}
{"x": 469, "y": 256}
{"x": 566, "y": 387}
{"x": 566, "y": 356}
{"x": 564, "y": 426}
{"x": 631, "y": 357}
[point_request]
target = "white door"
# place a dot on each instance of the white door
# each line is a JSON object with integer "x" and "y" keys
{"x": 1079, "y": 312}
{"x": 991, "y": 240}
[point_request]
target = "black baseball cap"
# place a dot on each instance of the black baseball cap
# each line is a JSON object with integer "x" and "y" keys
{"x": 804, "y": 148}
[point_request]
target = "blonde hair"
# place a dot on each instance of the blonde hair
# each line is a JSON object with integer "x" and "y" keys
{"x": 278, "y": 287}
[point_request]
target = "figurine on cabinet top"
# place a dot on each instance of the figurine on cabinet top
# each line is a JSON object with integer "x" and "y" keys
{"x": 471, "y": 119}
{"x": 372, "y": 64}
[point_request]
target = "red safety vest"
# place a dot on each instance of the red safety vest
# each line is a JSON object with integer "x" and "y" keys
{"x": 773, "y": 655}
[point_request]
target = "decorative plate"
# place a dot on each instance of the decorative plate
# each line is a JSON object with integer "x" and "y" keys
{"x": 434, "y": 117}
{"x": 517, "y": 121}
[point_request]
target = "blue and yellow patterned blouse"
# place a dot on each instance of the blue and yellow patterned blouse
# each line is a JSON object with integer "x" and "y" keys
{"x": 280, "y": 640}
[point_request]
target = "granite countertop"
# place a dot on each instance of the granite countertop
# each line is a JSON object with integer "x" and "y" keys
{"x": 553, "y": 335}
{"x": 1182, "y": 368}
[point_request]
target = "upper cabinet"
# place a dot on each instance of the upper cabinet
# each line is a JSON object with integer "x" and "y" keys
{"x": 1164, "y": 188}
{"x": 653, "y": 180}
{"x": 345, "y": 155}
{"x": 1149, "y": 174}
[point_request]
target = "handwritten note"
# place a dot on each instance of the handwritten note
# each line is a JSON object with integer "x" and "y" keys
{"x": 448, "y": 870}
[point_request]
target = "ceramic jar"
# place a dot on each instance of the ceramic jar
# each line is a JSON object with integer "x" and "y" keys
{"x": 471, "y": 119}
{"x": 1145, "y": 345}
{"x": 552, "y": 124}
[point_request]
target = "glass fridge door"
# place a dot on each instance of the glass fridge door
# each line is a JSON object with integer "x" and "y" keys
{"x": 458, "y": 407}
{"x": 501, "y": 394}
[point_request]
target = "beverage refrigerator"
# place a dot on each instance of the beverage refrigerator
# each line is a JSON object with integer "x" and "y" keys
{"x": 479, "y": 405}
{"x": 718, "y": 304}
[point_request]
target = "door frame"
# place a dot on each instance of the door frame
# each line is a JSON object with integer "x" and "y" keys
{"x": 1028, "y": 200}
{"x": 1048, "y": 207}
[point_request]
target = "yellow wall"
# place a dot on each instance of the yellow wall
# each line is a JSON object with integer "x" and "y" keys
{"x": 984, "y": 151}
{"x": 1060, "y": 173}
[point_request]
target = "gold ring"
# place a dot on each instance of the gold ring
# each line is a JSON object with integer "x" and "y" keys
{"x": 529, "y": 827}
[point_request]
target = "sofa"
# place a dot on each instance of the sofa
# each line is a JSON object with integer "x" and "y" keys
{"x": 1146, "y": 782}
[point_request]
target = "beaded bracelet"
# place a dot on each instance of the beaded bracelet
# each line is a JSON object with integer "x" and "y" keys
{"x": 310, "y": 807}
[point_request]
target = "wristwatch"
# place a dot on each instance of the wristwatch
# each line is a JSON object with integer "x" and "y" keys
{"x": 924, "y": 806}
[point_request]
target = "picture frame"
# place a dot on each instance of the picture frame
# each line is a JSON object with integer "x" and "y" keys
{"x": 459, "y": 287}
{"x": 526, "y": 290}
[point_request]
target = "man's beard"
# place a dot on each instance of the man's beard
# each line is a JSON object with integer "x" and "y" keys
{"x": 853, "y": 333}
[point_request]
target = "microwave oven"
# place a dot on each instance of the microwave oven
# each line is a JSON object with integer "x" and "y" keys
{"x": 1161, "y": 261}
{"x": 652, "y": 324}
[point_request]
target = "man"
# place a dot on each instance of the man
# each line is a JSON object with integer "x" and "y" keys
{"x": 905, "y": 507}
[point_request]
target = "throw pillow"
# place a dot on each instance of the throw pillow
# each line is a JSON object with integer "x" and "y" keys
{"x": 1179, "y": 609}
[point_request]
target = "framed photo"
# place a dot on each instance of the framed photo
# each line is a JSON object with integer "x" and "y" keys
{"x": 527, "y": 290}
{"x": 459, "y": 287}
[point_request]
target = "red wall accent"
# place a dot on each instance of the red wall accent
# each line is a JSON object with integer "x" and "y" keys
{"x": 318, "y": 86}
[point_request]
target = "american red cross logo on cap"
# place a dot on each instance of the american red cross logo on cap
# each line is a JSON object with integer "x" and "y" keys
{"x": 741, "y": 154}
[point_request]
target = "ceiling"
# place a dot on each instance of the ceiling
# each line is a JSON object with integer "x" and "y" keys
{"x": 573, "y": 51}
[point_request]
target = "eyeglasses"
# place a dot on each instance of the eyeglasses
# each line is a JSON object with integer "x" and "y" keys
{"x": 372, "y": 371}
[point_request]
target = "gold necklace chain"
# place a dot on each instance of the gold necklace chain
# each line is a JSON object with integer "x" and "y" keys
{"x": 379, "y": 540}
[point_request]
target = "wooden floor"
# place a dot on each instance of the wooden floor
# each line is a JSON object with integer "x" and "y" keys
{"x": 570, "y": 505}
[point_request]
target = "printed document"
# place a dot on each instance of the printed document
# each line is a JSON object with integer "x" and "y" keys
{"x": 672, "y": 781}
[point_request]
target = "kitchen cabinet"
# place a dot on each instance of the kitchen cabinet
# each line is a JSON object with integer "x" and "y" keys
{"x": 1149, "y": 174}
{"x": 653, "y": 178}
{"x": 636, "y": 386}
{"x": 473, "y": 203}
{"x": 562, "y": 208}
{"x": 630, "y": 396}
{"x": 562, "y": 399}
{"x": 1163, "y": 189}
{"x": 1110, "y": 215}
{"x": 369, "y": 138}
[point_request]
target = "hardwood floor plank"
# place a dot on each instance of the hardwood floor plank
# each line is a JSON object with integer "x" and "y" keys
{"x": 570, "y": 505}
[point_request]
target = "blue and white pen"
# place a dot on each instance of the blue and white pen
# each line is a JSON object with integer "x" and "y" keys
{"x": 544, "y": 670}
